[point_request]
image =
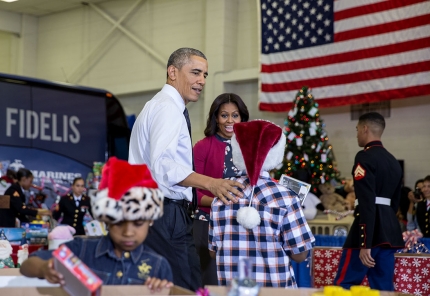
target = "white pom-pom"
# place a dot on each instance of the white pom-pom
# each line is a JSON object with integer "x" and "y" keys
{"x": 248, "y": 217}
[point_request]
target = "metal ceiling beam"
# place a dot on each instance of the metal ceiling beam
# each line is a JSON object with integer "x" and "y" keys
{"x": 133, "y": 37}
{"x": 78, "y": 72}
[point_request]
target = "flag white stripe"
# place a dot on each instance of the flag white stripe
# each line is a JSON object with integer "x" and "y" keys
{"x": 347, "y": 4}
{"x": 348, "y": 67}
{"x": 385, "y": 84}
{"x": 345, "y": 46}
{"x": 382, "y": 17}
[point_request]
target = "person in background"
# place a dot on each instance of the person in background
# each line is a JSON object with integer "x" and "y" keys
{"x": 74, "y": 206}
{"x": 10, "y": 177}
{"x": 414, "y": 197}
{"x": 17, "y": 207}
{"x": 267, "y": 225}
{"x": 213, "y": 158}
{"x": 161, "y": 138}
{"x": 128, "y": 201}
{"x": 422, "y": 211}
{"x": 375, "y": 233}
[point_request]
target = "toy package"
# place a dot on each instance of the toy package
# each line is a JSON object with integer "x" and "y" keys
{"x": 95, "y": 228}
{"x": 80, "y": 280}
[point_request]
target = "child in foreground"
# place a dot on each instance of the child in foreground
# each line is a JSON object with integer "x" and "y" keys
{"x": 128, "y": 202}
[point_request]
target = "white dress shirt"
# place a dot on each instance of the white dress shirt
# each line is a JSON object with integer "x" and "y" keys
{"x": 77, "y": 199}
{"x": 160, "y": 139}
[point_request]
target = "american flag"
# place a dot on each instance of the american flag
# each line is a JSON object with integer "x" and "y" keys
{"x": 347, "y": 51}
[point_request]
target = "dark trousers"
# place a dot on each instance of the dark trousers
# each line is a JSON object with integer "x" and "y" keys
{"x": 351, "y": 271}
{"x": 171, "y": 237}
{"x": 207, "y": 263}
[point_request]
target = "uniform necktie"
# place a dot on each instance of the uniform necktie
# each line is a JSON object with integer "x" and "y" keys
{"x": 187, "y": 119}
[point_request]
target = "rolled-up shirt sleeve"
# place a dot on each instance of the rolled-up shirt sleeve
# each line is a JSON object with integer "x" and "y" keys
{"x": 170, "y": 153}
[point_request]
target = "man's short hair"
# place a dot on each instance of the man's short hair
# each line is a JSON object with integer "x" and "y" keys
{"x": 427, "y": 179}
{"x": 373, "y": 117}
{"x": 181, "y": 56}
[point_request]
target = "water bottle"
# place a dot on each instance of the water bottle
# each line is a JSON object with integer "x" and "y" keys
{"x": 244, "y": 285}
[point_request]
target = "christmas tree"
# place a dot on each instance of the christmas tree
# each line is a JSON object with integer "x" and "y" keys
{"x": 307, "y": 143}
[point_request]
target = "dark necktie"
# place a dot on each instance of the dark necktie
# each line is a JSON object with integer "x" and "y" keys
{"x": 187, "y": 119}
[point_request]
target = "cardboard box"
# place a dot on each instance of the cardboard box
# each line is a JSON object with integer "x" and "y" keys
{"x": 79, "y": 278}
{"x": 220, "y": 290}
{"x": 106, "y": 291}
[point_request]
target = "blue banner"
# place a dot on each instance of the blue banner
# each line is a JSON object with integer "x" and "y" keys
{"x": 67, "y": 123}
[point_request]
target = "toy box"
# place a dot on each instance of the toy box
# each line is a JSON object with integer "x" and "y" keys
{"x": 80, "y": 280}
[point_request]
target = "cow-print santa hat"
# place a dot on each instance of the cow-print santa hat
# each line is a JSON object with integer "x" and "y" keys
{"x": 127, "y": 192}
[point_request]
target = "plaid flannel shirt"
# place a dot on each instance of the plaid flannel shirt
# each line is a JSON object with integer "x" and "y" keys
{"x": 283, "y": 230}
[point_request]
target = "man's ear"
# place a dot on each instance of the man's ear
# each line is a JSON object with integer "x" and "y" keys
{"x": 171, "y": 72}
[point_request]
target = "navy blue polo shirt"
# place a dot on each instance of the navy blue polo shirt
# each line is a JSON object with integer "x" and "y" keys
{"x": 133, "y": 268}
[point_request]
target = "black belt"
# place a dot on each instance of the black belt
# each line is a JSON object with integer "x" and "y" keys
{"x": 182, "y": 202}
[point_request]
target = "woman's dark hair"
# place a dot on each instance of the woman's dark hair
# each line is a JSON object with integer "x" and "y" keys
{"x": 211, "y": 125}
{"x": 418, "y": 181}
{"x": 77, "y": 179}
{"x": 23, "y": 173}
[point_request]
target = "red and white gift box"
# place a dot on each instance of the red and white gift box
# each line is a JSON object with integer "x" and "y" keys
{"x": 412, "y": 274}
{"x": 325, "y": 262}
{"x": 411, "y": 271}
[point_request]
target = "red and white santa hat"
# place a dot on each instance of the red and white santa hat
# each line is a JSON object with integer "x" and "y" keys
{"x": 257, "y": 146}
{"x": 127, "y": 192}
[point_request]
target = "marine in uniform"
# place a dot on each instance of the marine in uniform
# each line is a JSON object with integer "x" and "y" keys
{"x": 375, "y": 233}
{"x": 422, "y": 215}
{"x": 17, "y": 207}
{"x": 73, "y": 214}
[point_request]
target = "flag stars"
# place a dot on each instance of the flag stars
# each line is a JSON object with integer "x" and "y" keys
{"x": 314, "y": 39}
{"x": 327, "y": 7}
{"x": 319, "y": 16}
{"x": 275, "y": 19}
{"x": 269, "y": 12}
{"x": 288, "y": 44}
{"x": 320, "y": 2}
{"x": 288, "y": 30}
{"x": 327, "y": 22}
{"x": 307, "y": 20}
{"x": 270, "y": 26}
{"x": 280, "y": 10}
{"x": 307, "y": 33}
{"x": 320, "y": 31}
{"x": 281, "y": 25}
{"x": 300, "y": 27}
{"x": 300, "y": 12}
{"x": 275, "y": 4}
{"x": 281, "y": 38}
{"x": 275, "y": 32}
{"x": 294, "y": 22}
{"x": 294, "y": 36}
{"x": 276, "y": 46}
{"x": 294, "y": 7}
{"x": 287, "y": 2}
{"x": 327, "y": 37}
{"x": 287, "y": 16}
{"x": 313, "y": 10}
{"x": 306, "y": 5}
{"x": 270, "y": 40}
{"x": 313, "y": 25}
{"x": 300, "y": 41}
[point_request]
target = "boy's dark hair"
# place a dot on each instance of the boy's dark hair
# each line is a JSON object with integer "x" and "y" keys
{"x": 419, "y": 181}
{"x": 427, "y": 178}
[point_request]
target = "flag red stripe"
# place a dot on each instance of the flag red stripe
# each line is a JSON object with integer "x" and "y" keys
{"x": 383, "y": 28}
{"x": 350, "y": 77}
{"x": 390, "y": 94}
{"x": 348, "y": 56}
{"x": 372, "y": 8}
